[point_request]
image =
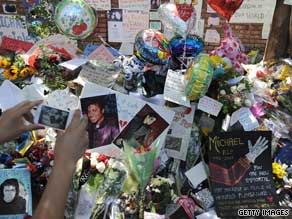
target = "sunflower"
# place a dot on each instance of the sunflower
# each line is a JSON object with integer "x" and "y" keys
{"x": 4, "y": 63}
{"x": 11, "y": 73}
{"x": 27, "y": 71}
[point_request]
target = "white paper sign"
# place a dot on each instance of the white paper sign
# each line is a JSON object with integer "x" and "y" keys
{"x": 213, "y": 21}
{"x": 246, "y": 119}
{"x": 197, "y": 174}
{"x": 174, "y": 89}
{"x": 212, "y": 36}
{"x": 154, "y": 15}
{"x": 211, "y": 214}
{"x": 100, "y": 4}
{"x": 178, "y": 137}
{"x": 10, "y": 95}
{"x": 210, "y": 106}
{"x": 137, "y": 4}
{"x": 62, "y": 99}
{"x": 254, "y": 11}
{"x": 288, "y": 2}
{"x": 13, "y": 28}
{"x": 123, "y": 25}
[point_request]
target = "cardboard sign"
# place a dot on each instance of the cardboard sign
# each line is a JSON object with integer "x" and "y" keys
{"x": 240, "y": 172}
{"x": 15, "y": 45}
{"x": 13, "y": 28}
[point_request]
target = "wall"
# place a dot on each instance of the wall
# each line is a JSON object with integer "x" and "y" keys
{"x": 249, "y": 34}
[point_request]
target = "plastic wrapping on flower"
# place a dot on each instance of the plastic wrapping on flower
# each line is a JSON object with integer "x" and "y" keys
{"x": 199, "y": 76}
{"x": 170, "y": 18}
{"x": 153, "y": 47}
{"x": 192, "y": 45}
{"x": 75, "y": 18}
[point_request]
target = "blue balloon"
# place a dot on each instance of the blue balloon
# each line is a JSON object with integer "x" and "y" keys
{"x": 193, "y": 45}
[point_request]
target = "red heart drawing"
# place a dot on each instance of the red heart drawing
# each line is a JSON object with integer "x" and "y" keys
{"x": 226, "y": 8}
{"x": 123, "y": 123}
{"x": 185, "y": 11}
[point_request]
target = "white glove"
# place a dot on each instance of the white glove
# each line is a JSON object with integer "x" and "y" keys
{"x": 257, "y": 149}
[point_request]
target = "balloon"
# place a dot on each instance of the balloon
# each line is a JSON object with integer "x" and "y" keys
{"x": 199, "y": 76}
{"x": 75, "y": 18}
{"x": 193, "y": 46}
{"x": 231, "y": 48}
{"x": 153, "y": 47}
{"x": 226, "y": 8}
{"x": 170, "y": 18}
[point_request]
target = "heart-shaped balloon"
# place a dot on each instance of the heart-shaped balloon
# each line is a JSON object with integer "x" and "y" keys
{"x": 185, "y": 11}
{"x": 226, "y": 8}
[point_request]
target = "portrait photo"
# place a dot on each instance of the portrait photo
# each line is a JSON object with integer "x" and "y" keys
{"x": 154, "y": 4}
{"x": 15, "y": 192}
{"x": 103, "y": 121}
{"x": 115, "y": 15}
{"x": 53, "y": 117}
{"x": 142, "y": 130}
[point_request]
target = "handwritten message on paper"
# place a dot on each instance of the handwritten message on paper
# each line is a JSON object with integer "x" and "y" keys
{"x": 13, "y": 28}
{"x": 209, "y": 105}
{"x": 101, "y": 53}
{"x": 123, "y": 25}
{"x": 100, "y": 4}
{"x": 99, "y": 73}
{"x": 134, "y": 21}
{"x": 137, "y": 4}
{"x": 174, "y": 89}
{"x": 254, "y": 11}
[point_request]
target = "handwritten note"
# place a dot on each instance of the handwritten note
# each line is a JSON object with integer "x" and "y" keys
{"x": 212, "y": 36}
{"x": 209, "y": 105}
{"x": 174, "y": 89}
{"x": 254, "y": 11}
{"x": 13, "y": 28}
{"x": 99, "y": 73}
{"x": 246, "y": 119}
{"x": 100, "y": 4}
{"x": 101, "y": 53}
{"x": 73, "y": 63}
{"x": 137, "y": 4}
{"x": 133, "y": 22}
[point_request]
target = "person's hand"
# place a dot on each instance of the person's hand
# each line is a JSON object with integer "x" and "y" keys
{"x": 71, "y": 144}
{"x": 257, "y": 149}
{"x": 12, "y": 121}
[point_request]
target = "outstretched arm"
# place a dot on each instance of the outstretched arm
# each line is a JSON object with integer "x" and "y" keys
{"x": 70, "y": 146}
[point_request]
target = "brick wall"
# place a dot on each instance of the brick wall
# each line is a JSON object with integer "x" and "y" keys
{"x": 249, "y": 34}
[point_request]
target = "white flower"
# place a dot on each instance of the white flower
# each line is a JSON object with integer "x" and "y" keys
{"x": 100, "y": 166}
{"x": 284, "y": 166}
{"x": 93, "y": 162}
{"x": 247, "y": 103}
{"x": 94, "y": 155}
{"x": 233, "y": 89}
{"x": 287, "y": 181}
{"x": 222, "y": 92}
{"x": 241, "y": 87}
{"x": 237, "y": 101}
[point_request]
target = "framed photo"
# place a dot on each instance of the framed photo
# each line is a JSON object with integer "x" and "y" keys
{"x": 142, "y": 130}
{"x": 15, "y": 193}
{"x": 52, "y": 117}
{"x": 103, "y": 121}
{"x": 154, "y": 4}
{"x": 9, "y": 8}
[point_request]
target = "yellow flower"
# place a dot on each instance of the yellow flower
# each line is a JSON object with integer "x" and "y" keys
{"x": 278, "y": 170}
{"x": 11, "y": 73}
{"x": 27, "y": 71}
{"x": 4, "y": 63}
